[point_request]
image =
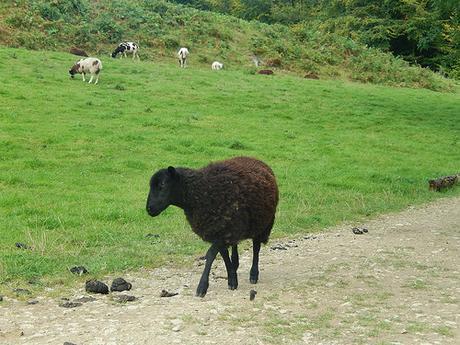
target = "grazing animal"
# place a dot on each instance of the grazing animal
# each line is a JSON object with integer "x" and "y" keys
{"x": 216, "y": 65}
{"x": 225, "y": 202}
{"x": 77, "y": 51}
{"x": 182, "y": 54}
{"x": 89, "y": 65}
{"x": 443, "y": 182}
{"x": 266, "y": 71}
{"x": 127, "y": 47}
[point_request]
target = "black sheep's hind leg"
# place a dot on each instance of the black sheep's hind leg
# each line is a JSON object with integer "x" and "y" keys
{"x": 204, "y": 281}
{"x": 235, "y": 258}
{"x": 254, "y": 273}
{"x": 231, "y": 271}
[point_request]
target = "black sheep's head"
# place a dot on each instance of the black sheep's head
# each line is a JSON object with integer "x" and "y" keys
{"x": 163, "y": 191}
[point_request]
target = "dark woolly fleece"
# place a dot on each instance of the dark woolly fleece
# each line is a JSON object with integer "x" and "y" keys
{"x": 226, "y": 202}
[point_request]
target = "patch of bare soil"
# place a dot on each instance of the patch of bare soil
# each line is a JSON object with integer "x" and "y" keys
{"x": 397, "y": 284}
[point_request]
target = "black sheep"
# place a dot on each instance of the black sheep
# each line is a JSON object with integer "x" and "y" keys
{"x": 225, "y": 202}
{"x": 77, "y": 51}
{"x": 266, "y": 71}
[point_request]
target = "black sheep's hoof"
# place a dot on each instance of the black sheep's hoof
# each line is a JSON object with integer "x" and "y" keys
{"x": 253, "y": 276}
{"x": 200, "y": 293}
{"x": 202, "y": 289}
{"x": 233, "y": 282}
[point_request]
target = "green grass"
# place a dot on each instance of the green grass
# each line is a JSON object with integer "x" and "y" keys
{"x": 444, "y": 330}
{"x": 75, "y": 159}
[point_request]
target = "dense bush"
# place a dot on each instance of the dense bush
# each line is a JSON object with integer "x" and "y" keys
{"x": 112, "y": 31}
{"x": 61, "y": 9}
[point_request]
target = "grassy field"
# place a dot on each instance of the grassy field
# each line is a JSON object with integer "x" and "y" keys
{"x": 75, "y": 159}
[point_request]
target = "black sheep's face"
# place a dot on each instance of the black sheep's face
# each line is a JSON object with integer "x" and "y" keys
{"x": 114, "y": 54}
{"x": 161, "y": 191}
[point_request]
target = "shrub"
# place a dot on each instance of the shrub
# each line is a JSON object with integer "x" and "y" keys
{"x": 273, "y": 62}
{"x": 171, "y": 42}
{"x": 49, "y": 12}
{"x": 203, "y": 58}
{"x": 23, "y": 20}
{"x": 112, "y": 30}
{"x": 82, "y": 34}
{"x": 251, "y": 70}
{"x": 32, "y": 40}
{"x": 61, "y": 9}
{"x": 454, "y": 73}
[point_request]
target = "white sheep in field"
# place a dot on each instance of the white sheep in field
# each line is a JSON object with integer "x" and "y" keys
{"x": 89, "y": 65}
{"x": 216, "y": 65}
{"x": 182, "y": 55}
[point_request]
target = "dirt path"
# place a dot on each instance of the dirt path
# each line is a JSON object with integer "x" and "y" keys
{"x": 397, "y": 284}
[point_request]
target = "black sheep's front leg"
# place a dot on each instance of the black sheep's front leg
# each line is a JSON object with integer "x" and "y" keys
{"x": 254, "y": 273}
{"x": 231, "y": 271}
{"x": 204, "y": 281}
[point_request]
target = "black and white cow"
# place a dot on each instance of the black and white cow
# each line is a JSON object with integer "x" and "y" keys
{"x": 127, "y": 47}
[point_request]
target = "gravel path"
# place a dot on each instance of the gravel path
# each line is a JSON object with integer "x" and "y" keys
{"x": 397, "y": 284}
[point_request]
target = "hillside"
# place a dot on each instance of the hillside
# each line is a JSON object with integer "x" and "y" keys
{"x": 161, "y": 27}
{"x": 422, "y": 32}
{"x": 75, "y": 159}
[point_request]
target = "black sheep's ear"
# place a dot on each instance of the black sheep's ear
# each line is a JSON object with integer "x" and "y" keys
{"x": 172, "y": 171}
